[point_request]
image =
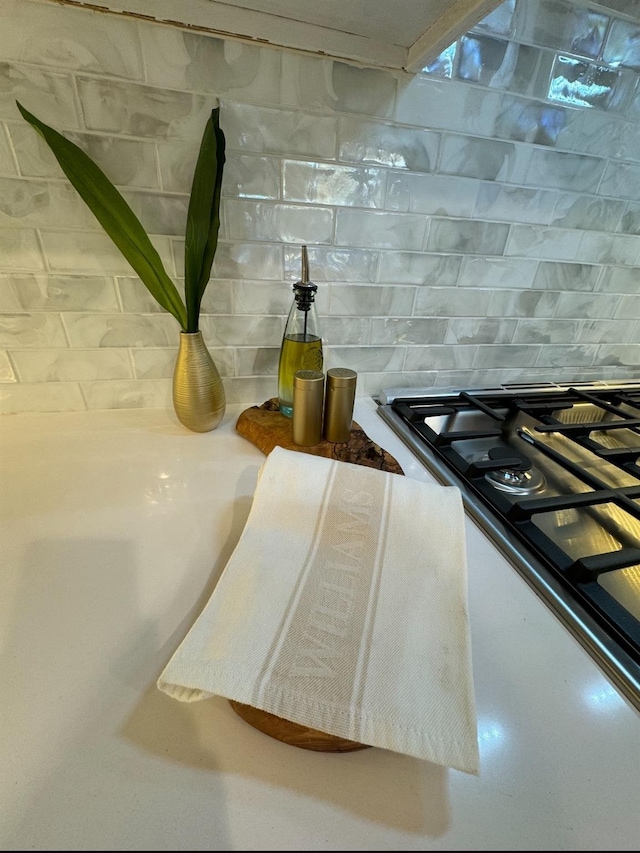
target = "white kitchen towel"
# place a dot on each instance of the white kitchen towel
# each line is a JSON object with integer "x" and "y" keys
{"x": 344, "y": 608}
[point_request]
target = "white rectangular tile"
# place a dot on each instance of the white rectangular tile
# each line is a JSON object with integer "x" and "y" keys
{"x": 74, "y": 39}
{"x": 32, "y": 330}
{"x": 41, "y": 397}
{"x": 128, "y": 394}
{"x": 69, "y": 365}
{"x": 328, "y": 183}
{"x": 380, "y": 230}
{"x": 20, "y": 250}
{"x": 178, "y": 59}
{"x": 248, "y": 220}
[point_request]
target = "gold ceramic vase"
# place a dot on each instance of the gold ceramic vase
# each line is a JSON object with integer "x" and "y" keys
{"x": 198, "y": 394}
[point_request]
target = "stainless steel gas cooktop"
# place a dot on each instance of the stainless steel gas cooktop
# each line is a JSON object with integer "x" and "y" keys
{"x": 551, "y": 473}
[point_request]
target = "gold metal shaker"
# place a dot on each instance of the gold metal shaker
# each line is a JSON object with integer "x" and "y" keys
{"x": 338, "y": 405}
{"x": 308, "y": 402}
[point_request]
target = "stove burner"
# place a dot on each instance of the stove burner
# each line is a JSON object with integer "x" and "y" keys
{"x": 520, "y": 479}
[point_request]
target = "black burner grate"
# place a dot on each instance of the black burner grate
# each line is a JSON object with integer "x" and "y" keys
{"x": 519, "y": 513}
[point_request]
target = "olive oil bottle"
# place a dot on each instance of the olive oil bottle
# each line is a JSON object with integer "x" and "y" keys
{"x": 302, "y": 342}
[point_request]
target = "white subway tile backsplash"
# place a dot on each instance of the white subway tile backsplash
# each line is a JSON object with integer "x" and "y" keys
{"x": 451, "y": 302}
{"x": 159, "y": 214}
{"x": 366, "y": 359}
{"x": 36, "y": 33}
{"x": 487, "y": 159}
{"x": 328, "y": 183}
{"x": 48, "y": 95}
{"x": 530, "y": 241}
{"x": 515, "y": 355}
{"x": 370, "y": 91}
{"x": 467, "y": 237}
{"x": 426, "y": 102}
{"x": 20, "y": 250}
{"x": 128, "y": 394}
{"x": 563, "y": 277}
{"x": 567, "y": 356}
{"x": 242, "y": 260}
{"x": 561, "y": 170}
{"x": 37, "y": 204}
{"x": 250, "y": 388}
{"x": 179, "y": 59}
{"x": 630, "y": 222}
{"x": 377, "y": 143}
{"x": 474, "y": 224}
{"x": 45, "y": 292}
{"x": 6, "y": 370}
{"x": 56, "y": 365}
{"x": 417, "y": 193}
{"x": 151, "y": 363}
{"x": 465, "y": 330}
{"x": 598, "y": 248}
{"x": 257, "y": 297}
{"x": 621, "y": 47}
{"x": 619, "y": 355}
{"x": 586, "y": 84}
{"x": 257, "y": 361}
{"x": 619, "y": 280}
{"x": 346, "y": 331}
{"x": 419, "y": 268}
{"x": 135, "y": 110}
{"x": 126, "y": 162}
{"x": 32, "y": 330}
{"x": 562, "y": 25}
{"x": 382, "y": 230}
{"x": 536, "y": 331}
{"x": 248, "y": 220}
{"x": 10, "y": 299}
{"x": 500, "y": 21}
{"x": 374, "y": 301}
{"x": 606, "y": 135}
{"x": 93, "y": 252}
{"x": 601, "y": 331}
{"x": 307, "y": 82}
{"x": 240, "y": 330}
{"x": 515, "y": 204}
{"x": 41, "y": 397}
{"x": 332, "y": 264}
{"x": 586, "y": 305}
{"x": 587, "y": 213}
{"x": 497, "y": 272}
{"x": 121, "y": 330}
{"x": 522, "y": 303}
{"x": 414, "y": 331}
{"x": 621, "y": 180}
{"x": 292, "y": 133}
{"x": 628, "y": 308}
{"x": 434, "y": 357}
{"x": 249, "y": 176}
{"x": 524, "y": 120}
{"x": 7, "y": 165}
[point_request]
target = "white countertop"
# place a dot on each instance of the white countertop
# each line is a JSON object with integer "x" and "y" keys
{"x": 114, "y": 528}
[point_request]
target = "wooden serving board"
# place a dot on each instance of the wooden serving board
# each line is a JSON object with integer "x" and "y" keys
{"x": 266, "y": 427}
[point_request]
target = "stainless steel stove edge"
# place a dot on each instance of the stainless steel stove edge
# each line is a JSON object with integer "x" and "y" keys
{"x": 621, "y": 669}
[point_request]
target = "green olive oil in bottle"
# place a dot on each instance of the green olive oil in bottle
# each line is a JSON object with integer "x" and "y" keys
{"x": 301, "y": 343}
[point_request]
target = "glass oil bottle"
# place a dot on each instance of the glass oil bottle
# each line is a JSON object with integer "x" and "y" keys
{"x": 302, "y": 342}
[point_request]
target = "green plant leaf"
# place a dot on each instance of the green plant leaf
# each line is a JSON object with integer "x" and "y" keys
{"x": 114, "y": 215}
{"x": 203, "y": 217}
